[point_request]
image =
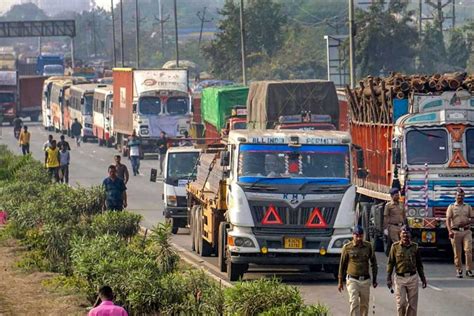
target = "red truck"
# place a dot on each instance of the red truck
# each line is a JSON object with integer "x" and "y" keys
{"x": 8, "y": 95}
{"x": 31, "y": 94}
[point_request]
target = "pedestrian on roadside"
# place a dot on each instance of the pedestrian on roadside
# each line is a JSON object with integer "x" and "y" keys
{"x": 405, "y": 258}
{"x": 394, "y": 218}
{"x": 47, "y": 144}
{"x": 76, "y": 131}
{"x": 104, "y": 305}
{"x": 51, "y": 161}
{"x": 162, "y": 148}
{"x": 64, "y": 160}
{"x": 122, "y": 170}
{"x": 63, "y": 143}
{"x": 116, "y": 191}
{"x": 25, "y": 138}
{"x": 354, "y": 267}
{"x": 186, "y": 140}
{"x": 459, "y": 217}
{"x": 17, "y": 124}
{"x": 134, "y": 145}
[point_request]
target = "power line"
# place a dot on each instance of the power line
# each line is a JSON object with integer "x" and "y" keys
{"x": 203, "y": 20}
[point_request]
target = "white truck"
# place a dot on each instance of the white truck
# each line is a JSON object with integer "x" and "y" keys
{"x": 274, "y": 197}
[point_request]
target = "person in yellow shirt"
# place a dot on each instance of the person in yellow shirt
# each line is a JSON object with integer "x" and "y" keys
{"x": 25, "y": 137}
{"x": 51, "y": 160}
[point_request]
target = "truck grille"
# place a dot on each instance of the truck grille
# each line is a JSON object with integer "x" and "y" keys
{"x": 439, "y": 212}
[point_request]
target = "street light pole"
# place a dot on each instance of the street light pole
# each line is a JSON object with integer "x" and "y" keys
{"x": 121, "y": 34}
{"x": 176, "y": 33}
{"x": 242, "y": 42}
{"x": 351, "y": 44}
{"x": 114, "y": 56}
{"x": 137, "y": 35}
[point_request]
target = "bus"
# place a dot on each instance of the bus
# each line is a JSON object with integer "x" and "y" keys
{"x": 102, "y": 115}
{"x": 58, "y": 102}
{"x": 80, "y": 108}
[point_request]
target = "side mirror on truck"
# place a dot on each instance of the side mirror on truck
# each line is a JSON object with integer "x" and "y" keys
{"x": 82, "y": 100}
{"x": 134, "y": 108}
{"x": 396, "y": 156}
{"x": 225, "y": 159}
{"x": 362, "y": 172}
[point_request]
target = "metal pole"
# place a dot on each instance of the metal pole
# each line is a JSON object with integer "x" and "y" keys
{"x": 94, "y": 40}
{"x": 242, "y": 42}
{"x": 176, "y": 33}
{"x": 137, "y": 35}
{"x": 161, "y": 27}
{"x": 114, "y": 56}
{"x": 121, "y": 34}
{"x": 351, "y": 44}
{"x": 39, "y": 46}
{"x": 73, "y": 64}
{"x": 202, "y": 24}
{"x": 420, "y": 22}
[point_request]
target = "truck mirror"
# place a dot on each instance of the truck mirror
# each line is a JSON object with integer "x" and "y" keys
{"x": 396, "y": 156}
{"x": 360, "y": 158}
{"x": 82, "y": 100}
{"x": 225, "y": 159}
{"x": 134, "y": 108}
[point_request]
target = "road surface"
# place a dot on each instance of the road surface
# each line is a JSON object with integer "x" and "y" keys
{"x": 445, "y": 294}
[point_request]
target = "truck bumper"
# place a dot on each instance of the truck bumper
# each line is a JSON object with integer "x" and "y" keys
{"x": 435, "y": 239}
{"x": 175, "y": 212}
{"x": 149, "y": 146}
{"x": 285, "y": 258}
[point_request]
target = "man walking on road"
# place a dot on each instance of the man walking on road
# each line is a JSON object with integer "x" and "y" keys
{"x": 122, "y": 170}
{"x": 47, "y": 144}
{"x": 115, "y": 190}
{"x": 106, "y": 307}
{"x": 405, "y": 258}
{"x": 76, "y": 131}
{"x": 64, "y": 160}
{"x": 63, "y": 143}
{"x": 394, "y": 217}
{"x": 162, "y": 148}
{"x": 17, "y": 124}
{"x": 25, "y": 137}
{"x": 459, "y": 218}
{"x": 51, "y": 161}
{"x": 354, "y": 266}
{"x": 134, "y": 153}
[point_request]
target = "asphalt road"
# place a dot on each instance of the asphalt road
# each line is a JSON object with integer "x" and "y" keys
{"x": 445, "y": 294}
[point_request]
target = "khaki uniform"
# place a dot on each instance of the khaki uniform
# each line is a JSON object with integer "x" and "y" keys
{"x": 406, "y": 261}
{"x": 459, "y": 215}
{"x": 393, "y": 219}
{"x": 355, "y": 265}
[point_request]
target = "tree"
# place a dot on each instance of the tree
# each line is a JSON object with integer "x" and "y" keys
{"x": 458, "y": 50}
{"x": 432, "y": 52}
{"x": 24, "y": 12}
{"x": 385, "y": 40}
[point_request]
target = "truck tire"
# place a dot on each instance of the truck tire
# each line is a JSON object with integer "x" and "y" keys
{"x": 332, "y": 268}
{"x": 221, "y": 247}
{"x": 205, "y": 249}
{"x": 235, "y": 271}
{"x": 197, "y": 232}
{"x": 192, "y": 217}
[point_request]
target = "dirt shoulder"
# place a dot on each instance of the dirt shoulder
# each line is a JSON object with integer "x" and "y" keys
{"x": 22, "y": 293}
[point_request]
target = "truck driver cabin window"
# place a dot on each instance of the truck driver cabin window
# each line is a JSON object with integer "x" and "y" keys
{"x": 427, "y": 146}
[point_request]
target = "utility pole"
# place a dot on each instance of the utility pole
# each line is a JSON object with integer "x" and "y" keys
{"x": 439, "y": 16}
{"x": 114, "y": 56}
{"x": 94, "y": 40}
{"x": 203, "y": 20}
{"x": 137, "y": 35}
{"x": 121, "y": 34}
{"x": 162, "y": 22}
{"x": 176, "y": 33}
{"x": 352, "y": 33}
{"x": 242, "y": 42}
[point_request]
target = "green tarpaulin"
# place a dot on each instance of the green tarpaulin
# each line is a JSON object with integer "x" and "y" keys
{"x": 218, "y": 102}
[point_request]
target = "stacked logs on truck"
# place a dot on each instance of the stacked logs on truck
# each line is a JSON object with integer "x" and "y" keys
{"x": 372, "y": 100}
{"x": 209, "y": 172}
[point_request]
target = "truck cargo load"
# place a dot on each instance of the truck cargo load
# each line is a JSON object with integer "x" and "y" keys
{"x": 268, "y": 100}
{"x": 31, "y": 95}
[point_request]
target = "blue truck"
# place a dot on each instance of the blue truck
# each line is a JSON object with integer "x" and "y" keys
{"x": 50, "y": 65}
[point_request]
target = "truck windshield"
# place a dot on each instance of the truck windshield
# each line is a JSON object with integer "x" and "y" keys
{"x": 53, "y": 70}
{"x": 177, "y": 106}
{"x": 87, "y": 109}
{"x": 7, "y": 97}
{"x": 240, "y": 125}
{"x": 427, "y": 146}
{"x": 149, "y": 105}
{"x": 470, "y": 145}
{"x": 306, "y": 161}
{"x": 181, "y": 165}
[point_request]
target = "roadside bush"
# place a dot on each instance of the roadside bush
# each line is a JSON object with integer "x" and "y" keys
{"x": 294, "y": 310}
{"x": 124, "y": 224}
{"x": 160, "y": 243}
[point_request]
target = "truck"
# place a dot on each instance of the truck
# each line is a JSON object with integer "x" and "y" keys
{"x": 8, "y": 94}
{"x": 180, "y": 169}
{"x": 8, "y": 59}
{"x": 31, "y": 93}
{"x": 223, "y": 108}
{"x": 274, "y": 197}
{"x": 149, "y": 102}
{"x": 50, "y": 65}
{"x": 269, "y": 100}
{"x": 419, "y": 140}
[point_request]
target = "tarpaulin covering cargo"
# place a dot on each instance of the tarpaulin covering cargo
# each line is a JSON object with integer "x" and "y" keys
{"x": 217, "y": 103}
{"x": 268, "y": 100}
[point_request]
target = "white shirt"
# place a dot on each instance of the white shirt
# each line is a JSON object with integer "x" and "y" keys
{"x": 134, "y": 150}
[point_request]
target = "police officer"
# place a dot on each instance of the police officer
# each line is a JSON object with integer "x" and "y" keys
{"x": 405, "y": 258}
{"x": 459, "y": 218}
{"x": 354, "y": 266}
{"x": 393, "y": 218}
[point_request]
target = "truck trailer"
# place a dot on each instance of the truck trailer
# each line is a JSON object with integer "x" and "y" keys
{"x": 31, "y": 94}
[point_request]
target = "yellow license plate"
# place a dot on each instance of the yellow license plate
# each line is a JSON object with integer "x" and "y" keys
{"x": 294, "y": 243}
{"x": 428, "y": 236}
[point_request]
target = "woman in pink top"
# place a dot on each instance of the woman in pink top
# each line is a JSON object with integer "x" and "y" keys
{"x": 107, "y": 306}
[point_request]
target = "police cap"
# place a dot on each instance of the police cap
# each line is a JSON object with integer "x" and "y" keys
{"x": 394, "y": 191}
{"x": 358, "y": 230}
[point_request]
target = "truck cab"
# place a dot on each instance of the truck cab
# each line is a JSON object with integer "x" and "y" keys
{"x": 236, "y": 121}
{"x": 180, "y": 168}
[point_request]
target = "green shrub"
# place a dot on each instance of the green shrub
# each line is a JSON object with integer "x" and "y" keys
{"x": 252, "y": 298}
{"x": 160, "y": 242}
{"x": 295, "y": 310}
{"x": 124, "y": 224}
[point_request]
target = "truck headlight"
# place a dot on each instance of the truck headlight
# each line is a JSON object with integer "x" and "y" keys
{"x": 341, "y": 242}
{"x": 412, "y": 212}
{"x": 243, "y": 242}
{"x": 144, "y": 130}
{"x": 171, "y": 200}
{"x": 422, "y": 212}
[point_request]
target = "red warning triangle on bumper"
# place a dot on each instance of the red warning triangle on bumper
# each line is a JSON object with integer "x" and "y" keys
{"x": 272, "y": 217}
{"x": 316, "y": 220}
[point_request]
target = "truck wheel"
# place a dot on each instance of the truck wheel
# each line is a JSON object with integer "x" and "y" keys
{"x": 221, "y": 247}
{"x": 332, "y": 268}
{"x": 192, "y": 217}
{"x": 197, "y": 214}
{"x": 235, "y": 271}
{"x": 205, "y": 249}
